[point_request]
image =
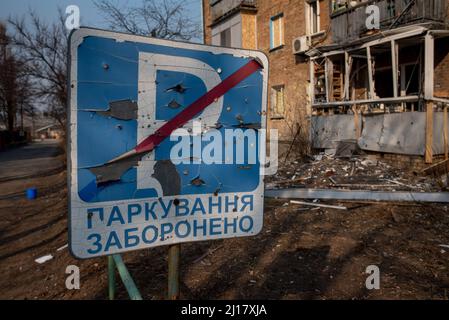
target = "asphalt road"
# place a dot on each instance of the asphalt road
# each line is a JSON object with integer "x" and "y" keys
{"x": 33, "y": 159}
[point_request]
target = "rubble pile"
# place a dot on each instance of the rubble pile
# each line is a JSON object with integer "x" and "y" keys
{"x": 358, "y": 172}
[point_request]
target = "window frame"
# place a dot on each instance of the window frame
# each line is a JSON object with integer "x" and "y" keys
{"x": 281, "y": 31}
{"x": 274, "y": 108}
{"x": 309, "y": 18}
{"x": 226, "y": 34}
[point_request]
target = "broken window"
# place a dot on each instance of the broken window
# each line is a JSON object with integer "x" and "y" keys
{"x": 335, "y": 73}
{"x": 359, "y": 78}
{"x": 277, "y": 31}
{"x": 228, "y": 33}
{"x": 338, "y": 5}
{"x": 313, "y": 16}
{"x": 410, "y": 58}
{"x": 388, "y": 76}
{"x": 411, "y": 73}
{"x": 383, "y": 82}
{"x": 319, "y": 80}
{"x": 410, "y": 79}
{"x": 391, "y": 9}
{"x": 225, "y": 38}
{"x": 382, "y": 70}
{"x": 277, "y": 101}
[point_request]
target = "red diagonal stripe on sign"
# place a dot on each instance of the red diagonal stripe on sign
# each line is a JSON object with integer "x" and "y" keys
{"x": 198, "y": 106}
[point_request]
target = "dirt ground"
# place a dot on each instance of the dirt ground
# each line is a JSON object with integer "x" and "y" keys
{"x": 301, "y": 253}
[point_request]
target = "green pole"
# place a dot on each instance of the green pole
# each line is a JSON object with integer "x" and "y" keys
{"x": 127, "y": 280}
{"x": 173, "y": 271}
{"x": 111, "y": 277}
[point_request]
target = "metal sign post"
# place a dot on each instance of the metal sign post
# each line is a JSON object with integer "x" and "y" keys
{"x": 111, "y": 278}
{"x": 114, "y": 262}
{"x": 166, "y": 146}
{"x": 173, "y": 271}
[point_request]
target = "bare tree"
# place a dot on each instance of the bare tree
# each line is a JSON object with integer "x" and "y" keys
{"x": 8, "y": 82}
{"x": 165, "y": 19}
{"x": 15, "y": 91}
{"x": 43, "y": 47}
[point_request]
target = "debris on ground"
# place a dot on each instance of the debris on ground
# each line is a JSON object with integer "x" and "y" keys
{"x": 347, "y": 149}
{"x": 62, "y": 248}
{"x": 44, "y": 259}
{"x": 321, "y": 253}
{"x": 357, "y": 172}
{"x": 318, "y": 205}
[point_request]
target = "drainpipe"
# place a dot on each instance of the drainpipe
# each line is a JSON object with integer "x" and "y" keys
{"x": 203, "y": 41}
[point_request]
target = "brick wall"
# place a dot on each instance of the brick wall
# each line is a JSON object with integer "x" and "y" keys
{"x": 406, "y": 162}
{"x": 285, "y": 68}
{"x": 441, "y": 73}
{"x": 400, "y": 161}
{"x": 293, "y": 71}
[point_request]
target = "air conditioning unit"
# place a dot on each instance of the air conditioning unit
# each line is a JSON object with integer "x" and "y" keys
{"x": 301, "y": 44}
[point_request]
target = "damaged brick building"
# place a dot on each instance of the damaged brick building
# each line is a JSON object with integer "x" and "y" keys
{"x": 334, "y": 79}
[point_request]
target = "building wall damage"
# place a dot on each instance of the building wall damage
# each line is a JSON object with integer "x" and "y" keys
{"x": 327, "y": 131}
{"x": 387, "y": 88}
{"x": 394, "y": 79}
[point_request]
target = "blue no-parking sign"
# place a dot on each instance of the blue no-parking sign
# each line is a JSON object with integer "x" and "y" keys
{"x": 165, "y": 142}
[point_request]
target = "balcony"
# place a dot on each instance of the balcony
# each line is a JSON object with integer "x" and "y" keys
{"x": 221, "y": 9}
{"x": 348, "y": 19}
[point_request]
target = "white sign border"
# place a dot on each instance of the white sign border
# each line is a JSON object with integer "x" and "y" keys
{"x": 76, "y": 38}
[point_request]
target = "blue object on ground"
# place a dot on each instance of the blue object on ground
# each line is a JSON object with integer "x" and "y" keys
{"x": 31, "y": 193}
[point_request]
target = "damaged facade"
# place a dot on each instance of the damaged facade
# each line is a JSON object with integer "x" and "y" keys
{"x": 333, "y": 78}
